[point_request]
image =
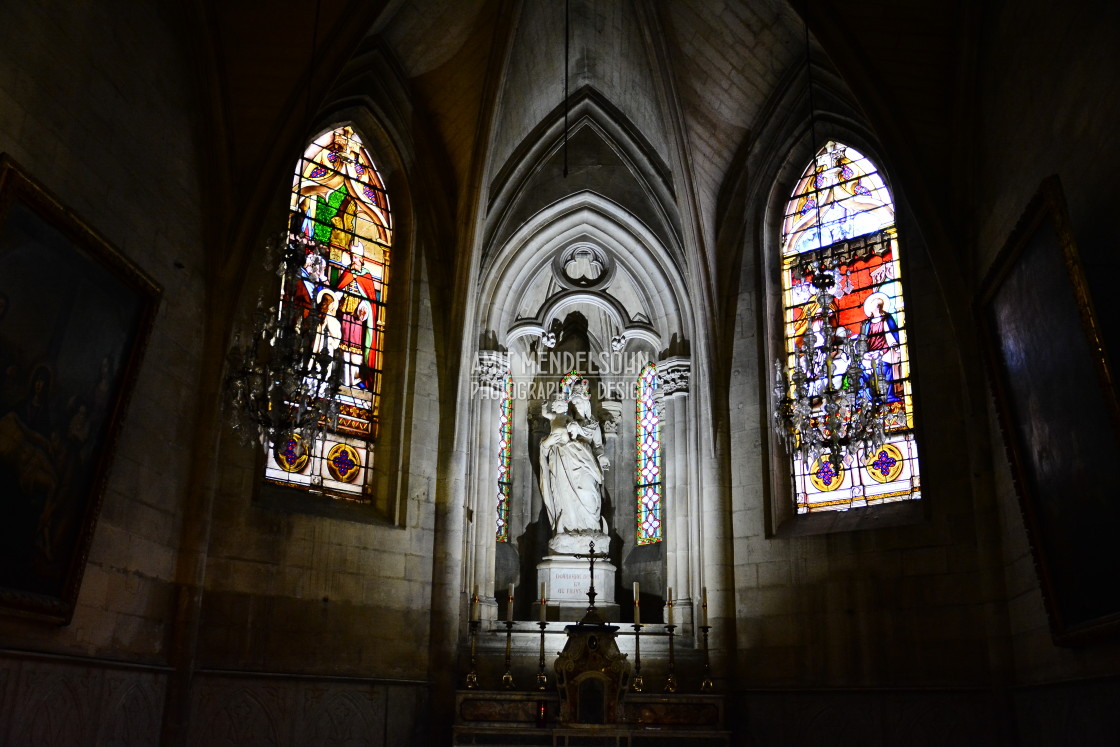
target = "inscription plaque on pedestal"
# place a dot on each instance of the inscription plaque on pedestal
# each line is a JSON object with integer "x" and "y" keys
{"x": 567, "y": 580}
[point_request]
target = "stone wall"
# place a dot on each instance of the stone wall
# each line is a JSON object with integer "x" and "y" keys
{"x": 95, "y": 103}
{"x": 98, "y": 102}
{"x": 886, "y": 600}
{"x": 1044, "y": 114}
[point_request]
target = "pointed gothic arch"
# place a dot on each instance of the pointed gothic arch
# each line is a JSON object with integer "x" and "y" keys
{"x": 583, "y": 283}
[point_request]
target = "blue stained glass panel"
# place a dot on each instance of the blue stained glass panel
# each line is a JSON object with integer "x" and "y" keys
{"x": 648, "y": 484}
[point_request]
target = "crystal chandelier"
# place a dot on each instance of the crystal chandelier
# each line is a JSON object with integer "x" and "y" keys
{"x": 830, "y": 398}
{"x": 281, "y": 382}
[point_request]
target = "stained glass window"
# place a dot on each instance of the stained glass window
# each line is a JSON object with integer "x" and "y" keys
{"x": 505, "y": 442}
{"x": 339, "y": 221}
{"x": 647, "y": 479}
{"x": 840, "y": 220}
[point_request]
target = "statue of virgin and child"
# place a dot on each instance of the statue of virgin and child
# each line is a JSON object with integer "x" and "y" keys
{"x": 572, "y": 466}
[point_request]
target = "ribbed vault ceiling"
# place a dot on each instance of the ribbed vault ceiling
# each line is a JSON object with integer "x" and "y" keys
{"x": 692, "y": 77}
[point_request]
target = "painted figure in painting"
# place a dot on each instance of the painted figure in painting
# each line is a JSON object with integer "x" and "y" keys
{"x": 572, "y": 466}
{"x": 25, "y": 446}
{"x": 70, "y": 455}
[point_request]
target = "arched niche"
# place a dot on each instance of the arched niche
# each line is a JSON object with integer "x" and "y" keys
{"x": 581, "y": 285}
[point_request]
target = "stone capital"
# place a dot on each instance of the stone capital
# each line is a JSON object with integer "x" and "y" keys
{"x": 491, "y": 369}
{"x": 612, "y": 412}
{"x": 673, "y": 375}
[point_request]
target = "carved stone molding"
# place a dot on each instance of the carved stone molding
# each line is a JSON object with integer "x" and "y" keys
{"x": 673, "y": 375}
{"x": 611, "y": 417}
{"x": 582, "y": 266}
{"x": 491, "y": 369}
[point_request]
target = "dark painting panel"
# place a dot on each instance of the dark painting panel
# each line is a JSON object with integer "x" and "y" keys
{"x": 1058, "y": 409}
{"x": 74, "y": 316}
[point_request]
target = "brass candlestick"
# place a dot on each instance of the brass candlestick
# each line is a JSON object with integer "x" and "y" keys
{"x": 671, "y": 680}
{"x": 507, "y": 678}
{"x": 542, "y": 678}
{"x": 472, "y": 676}
{"x": 637, "y": 683}
{"x": 706, "y": 684}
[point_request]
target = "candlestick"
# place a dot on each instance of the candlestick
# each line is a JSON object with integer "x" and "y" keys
{"x": 706, "y": 684}
{"x": 472, "y": 676}
{"x": 509, "y": 605}
{"x": 542, "y": 678}
{"x": 474, "y": 604}
{"x": 507, "y": 678}
{"x": 636, "y": 684}
{"x": 671, "y": 680}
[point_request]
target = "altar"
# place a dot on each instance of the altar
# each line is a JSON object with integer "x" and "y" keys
{"x": 494, "y": 718}
{"x": 594, "y": 694}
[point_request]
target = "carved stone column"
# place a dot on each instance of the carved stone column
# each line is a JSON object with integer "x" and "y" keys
{"x": 620, "y": 470}
{"x": 673, "y": 375}
{"x": 491, "y": 372}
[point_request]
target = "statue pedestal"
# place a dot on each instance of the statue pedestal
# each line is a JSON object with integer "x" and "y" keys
{"x": 567, "y": 580}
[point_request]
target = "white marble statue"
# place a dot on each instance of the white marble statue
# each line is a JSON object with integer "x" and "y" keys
{"x": 572, "y": 465}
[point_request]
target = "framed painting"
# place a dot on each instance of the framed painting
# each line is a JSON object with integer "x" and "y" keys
{"x": 1057, "y": 404}
{"x": 74, "y": 319}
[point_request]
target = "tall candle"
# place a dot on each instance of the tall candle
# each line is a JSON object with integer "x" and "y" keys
{"x": 704, "y": 608}
{"x": 637, "y": 609}
{"x": 544, "y": 604}
{"x": 669, "y": 596}
{"x": 509, "y": 605}
{"x": 474, "y": 603}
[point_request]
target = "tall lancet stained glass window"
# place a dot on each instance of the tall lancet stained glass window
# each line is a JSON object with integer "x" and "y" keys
{"x": 339, "y": 221}
{"x": 647, "y": 479}
{"x": 840, "y": 220}
{"x": 505, "y": 443}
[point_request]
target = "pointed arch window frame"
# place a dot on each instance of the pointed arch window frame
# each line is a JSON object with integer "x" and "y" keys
{"x": 836, "y": 178}
{"x": 335, "y": 164}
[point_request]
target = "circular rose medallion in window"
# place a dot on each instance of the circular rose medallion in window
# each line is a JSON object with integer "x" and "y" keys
{"x": 291, "y": 453}
{"x": 885, "y": 463}
{"x": 826, "y": 476}
{"x": 344, "y": 463}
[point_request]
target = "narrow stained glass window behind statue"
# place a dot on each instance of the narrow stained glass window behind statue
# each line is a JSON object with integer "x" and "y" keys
{"x": 648, "y": 462}
{"x": 505, "y": 444}
{"x": 838, "y": 234}
{"x": 341, "y": 225}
